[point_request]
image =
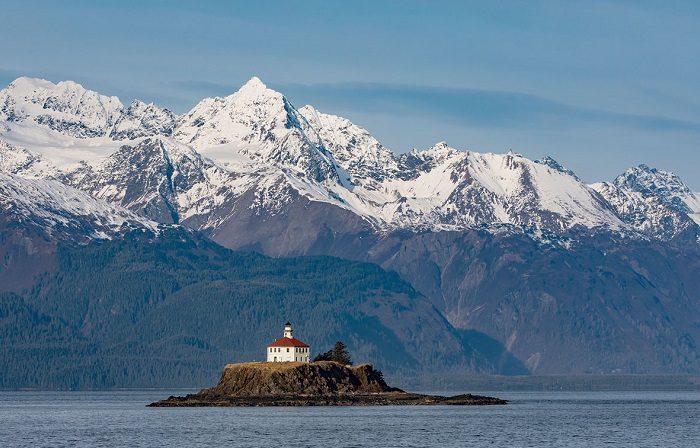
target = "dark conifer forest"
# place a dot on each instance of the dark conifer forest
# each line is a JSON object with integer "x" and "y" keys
{"x": 170, "y": 310}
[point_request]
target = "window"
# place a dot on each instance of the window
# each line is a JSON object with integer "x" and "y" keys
{"x": 287, "y": 349}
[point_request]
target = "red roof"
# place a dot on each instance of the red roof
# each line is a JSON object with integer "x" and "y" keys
{"x": 288, "y": 342}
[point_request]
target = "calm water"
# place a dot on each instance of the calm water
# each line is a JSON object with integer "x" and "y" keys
{"x": 537, "y": 419}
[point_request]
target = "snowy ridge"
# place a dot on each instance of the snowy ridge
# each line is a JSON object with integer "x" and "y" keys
{"x": 58, "y": 208}
{"x": 161, "y": 177}
{"x": 143, "y": 120}
{"x": 443, "y": 188}
{"x": 458, "y": 189}
{"x": 14, "y": 159}
{"x": 355, "y": 149}
{"x": 67, "y": 107}
{"x": 252, "y": 148}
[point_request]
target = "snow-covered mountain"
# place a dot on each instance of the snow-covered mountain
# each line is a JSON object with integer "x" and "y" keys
{"x": 259, "y": 123}
{"x": 62, "y": 212}
{"x": 253, "y": 150}
{"x": 66, "y": 107}
{"x": 654, "y": 202}
{"x": 355, "y": 149}
{"x": 143, "y": 120}
{"x": 569, "y": 277}
{"x": 664, "y": 184}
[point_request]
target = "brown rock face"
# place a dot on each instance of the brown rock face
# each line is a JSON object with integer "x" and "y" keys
{"x": 323, "y": 383}
{"x": 320, "y": 378}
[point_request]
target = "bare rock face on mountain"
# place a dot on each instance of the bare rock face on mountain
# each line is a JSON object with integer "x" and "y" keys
{"x": 152, "y": 178}
{"x": 619, "y": 307}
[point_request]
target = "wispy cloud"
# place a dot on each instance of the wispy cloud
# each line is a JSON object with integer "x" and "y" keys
{"x": 205, "y": 88}
{"x": 472, "y": 107}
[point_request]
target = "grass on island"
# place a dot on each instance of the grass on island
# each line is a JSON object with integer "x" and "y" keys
{"x": 279, "y": 366}
{"x": 275, "y": 366}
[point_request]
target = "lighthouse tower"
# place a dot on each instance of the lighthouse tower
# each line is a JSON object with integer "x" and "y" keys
{"x": 288, "y": 349}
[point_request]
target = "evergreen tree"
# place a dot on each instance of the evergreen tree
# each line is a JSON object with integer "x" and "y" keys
{"x": 339, "y": 353}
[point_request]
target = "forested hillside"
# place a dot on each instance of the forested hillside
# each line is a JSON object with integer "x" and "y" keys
{"x": 170, "y": 309}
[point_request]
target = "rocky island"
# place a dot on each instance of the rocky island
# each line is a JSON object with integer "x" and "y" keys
{"x": 323, "y": 383}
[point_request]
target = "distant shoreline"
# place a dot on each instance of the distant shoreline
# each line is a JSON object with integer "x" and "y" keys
{"x": 454, "y": 383}
{"x": 621, "y": 382}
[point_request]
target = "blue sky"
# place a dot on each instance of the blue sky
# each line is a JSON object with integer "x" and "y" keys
{"x": 599, "y": 85}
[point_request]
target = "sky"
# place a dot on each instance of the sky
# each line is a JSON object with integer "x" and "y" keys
{"x": 600, "y": 86}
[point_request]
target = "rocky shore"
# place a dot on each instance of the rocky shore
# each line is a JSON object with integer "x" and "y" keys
{"x": 316, "y": 384}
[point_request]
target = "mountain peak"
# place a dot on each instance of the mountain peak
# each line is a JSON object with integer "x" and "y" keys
{"x": 245, "y": 117}
{"x": 550, "y": 162}
{"x": 643, "y": 177}
{"x": 69, "y": 85}
{"x": 440, "y": 149}
{"x": 664, "y": 184}
{"x": 25, "y": 82}
{"x": 254, "y": 85}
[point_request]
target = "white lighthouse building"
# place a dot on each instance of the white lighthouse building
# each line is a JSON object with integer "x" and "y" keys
{"x": 288, "y": 349}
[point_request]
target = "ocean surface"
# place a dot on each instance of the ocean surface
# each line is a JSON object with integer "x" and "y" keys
{"x": 531, "y": 419}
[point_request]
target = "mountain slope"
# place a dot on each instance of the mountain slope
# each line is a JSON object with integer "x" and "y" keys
{"x": 62, "y": 212}
{"x": 36, "y": 215}
{"x": 169, "y": 309}
{"x": 665, "y": 184}
{"x": 568, "y": 276}
{"x": 600, "y": 305}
